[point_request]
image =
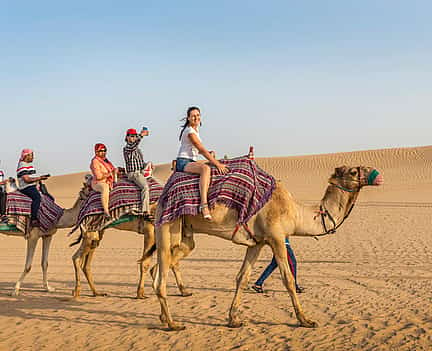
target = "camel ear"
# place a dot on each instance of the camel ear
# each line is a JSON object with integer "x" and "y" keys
{"x": 340, "y": 171}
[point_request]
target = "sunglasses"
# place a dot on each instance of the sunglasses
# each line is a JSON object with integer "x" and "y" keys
{"x": 103, "y": 150}
{"x": 134, "y": 135}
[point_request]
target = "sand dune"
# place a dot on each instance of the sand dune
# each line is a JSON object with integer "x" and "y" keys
{"x": 369, "y": 286}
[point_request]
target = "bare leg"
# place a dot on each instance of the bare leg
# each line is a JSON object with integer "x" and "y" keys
{"x": 163, "y": 244}
{"x": 280, "y": 253}
{"x": 243, "y": 276}
{"x": 31, "y": 247}
{"x": 46, "y": 242}
{"x": 205, "y": 173}
{"x": 144, "y": 262}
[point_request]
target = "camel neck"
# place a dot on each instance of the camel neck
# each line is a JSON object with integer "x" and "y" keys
{"x": 336, "y": 201}
{"x": 70, "y": 215}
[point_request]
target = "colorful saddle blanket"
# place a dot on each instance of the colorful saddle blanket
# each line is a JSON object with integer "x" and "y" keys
{"x": 125, "y": 198}
{"x": 18, "y": 211}
{"x": 245, "y": 188}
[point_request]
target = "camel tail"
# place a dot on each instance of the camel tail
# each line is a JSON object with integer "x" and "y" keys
{"x": 77, "y": 241}
{"x": 148, "y": 253}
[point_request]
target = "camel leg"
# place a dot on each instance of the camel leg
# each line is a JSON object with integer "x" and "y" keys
{"x": 144, "y": 262}
{"x": 163, "y": 244}
{"x": 77, "y": 260}
{"x": 280, "y": 253}
{"x": 243, "y": 276}
{"x": 183, "y": 250}
{"x": 46, "y": 242}
{"x": 177, "y": 253}
{"x": 31, "y": 247}
{"x": 87, "y": 269}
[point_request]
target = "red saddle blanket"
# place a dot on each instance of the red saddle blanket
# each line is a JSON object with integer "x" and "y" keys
{"x": 245, "y": 188}
{"x": 125, "y": 198}
{"x": 18, "y": 211}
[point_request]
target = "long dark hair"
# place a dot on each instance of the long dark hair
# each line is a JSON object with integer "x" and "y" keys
{"x": 189, "y": 110}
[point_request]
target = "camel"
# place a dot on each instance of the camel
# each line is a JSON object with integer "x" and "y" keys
{"x": 67, "y": 220}
{"x": 90, "y": 240}
{"x": 280, "y": 217}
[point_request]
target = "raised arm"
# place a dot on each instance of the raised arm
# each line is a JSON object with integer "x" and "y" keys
{"x": 130, "y": 147}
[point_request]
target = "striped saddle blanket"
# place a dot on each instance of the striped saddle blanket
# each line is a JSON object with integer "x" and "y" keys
{"x": 18, "y": 211}
{"x": 245, "y": 188}
{"x": 125, "y": 198}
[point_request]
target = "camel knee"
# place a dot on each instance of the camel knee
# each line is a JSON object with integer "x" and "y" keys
{"x": 27, "y": 269}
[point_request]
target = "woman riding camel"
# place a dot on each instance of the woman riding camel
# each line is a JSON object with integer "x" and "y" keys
{"x": 27, "y": 182}
{"x": 187, "y": 156}
{"x": 104, "y": 176}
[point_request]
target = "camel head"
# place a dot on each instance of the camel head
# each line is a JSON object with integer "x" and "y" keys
{"x": 352, "y": 179}
{"x": 86, "y": 189}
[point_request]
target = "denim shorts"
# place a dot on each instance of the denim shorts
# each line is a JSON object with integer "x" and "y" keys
{"x": 181, "y": 163}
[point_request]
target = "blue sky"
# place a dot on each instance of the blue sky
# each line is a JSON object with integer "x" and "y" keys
{"x": 290, "y": 78}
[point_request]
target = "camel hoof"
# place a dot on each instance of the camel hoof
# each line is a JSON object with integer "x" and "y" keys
{"x": 235, "y": 324}
{"x": 176, "y": 327}
{"x": 309, "y": 324}
{"x": 15, "y": 293}
{"x": 96, "y": 294}
{"x": 186, "y": 293}
{"x": 142, "y": 297}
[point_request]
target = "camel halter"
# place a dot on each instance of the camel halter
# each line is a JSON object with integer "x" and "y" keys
{"x": 323, "y": 212}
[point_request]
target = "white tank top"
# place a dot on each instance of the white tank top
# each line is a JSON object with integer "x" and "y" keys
{"x": 187, "y": 149}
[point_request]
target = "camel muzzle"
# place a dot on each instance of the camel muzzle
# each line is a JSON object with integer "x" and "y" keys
{"x": 375, "y": 178}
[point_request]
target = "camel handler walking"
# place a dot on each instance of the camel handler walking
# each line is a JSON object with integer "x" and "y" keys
{"x": 135, "y": 166}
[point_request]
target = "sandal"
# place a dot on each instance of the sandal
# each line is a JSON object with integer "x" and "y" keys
{"x": 258, "y": 289}
{"x": 206, "y": 216}
{"x": 148, "y": 217}
{"x": 34, "y": 223}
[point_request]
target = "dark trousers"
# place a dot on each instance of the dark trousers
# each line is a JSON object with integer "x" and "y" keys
{"x": 2, "y": 202}
{"x": 273, "y": 265}
{"x": 33, "y": 193}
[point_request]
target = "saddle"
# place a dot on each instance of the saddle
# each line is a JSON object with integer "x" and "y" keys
{"x": 125, "y": 199}
{"x": 18, "y": 212}
{"x": 246, "y": 188}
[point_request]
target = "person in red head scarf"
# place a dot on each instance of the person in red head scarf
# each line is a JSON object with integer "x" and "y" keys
{"x": 27, "y": 183}
{"x": 104, "y": 175}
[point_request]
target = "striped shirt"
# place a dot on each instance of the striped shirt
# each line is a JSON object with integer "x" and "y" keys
{"x": 133, "y": 156}
{"x": 25, "y": 168}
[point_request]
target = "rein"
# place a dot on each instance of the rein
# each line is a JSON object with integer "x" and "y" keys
{"x": 325, "y": 213}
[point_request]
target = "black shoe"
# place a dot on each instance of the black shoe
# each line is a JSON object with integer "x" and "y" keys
{"x": 257, "y": 288}
{"x": 299, "y": 289}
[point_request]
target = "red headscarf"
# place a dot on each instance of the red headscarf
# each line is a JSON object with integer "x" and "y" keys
{"x": 105, "y": 162}
{"x": 99, "y": 146}
{"x": 24, "y": 153}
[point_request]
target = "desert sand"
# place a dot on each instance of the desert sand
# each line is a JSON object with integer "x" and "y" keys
{"x": 368, "y": 286}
